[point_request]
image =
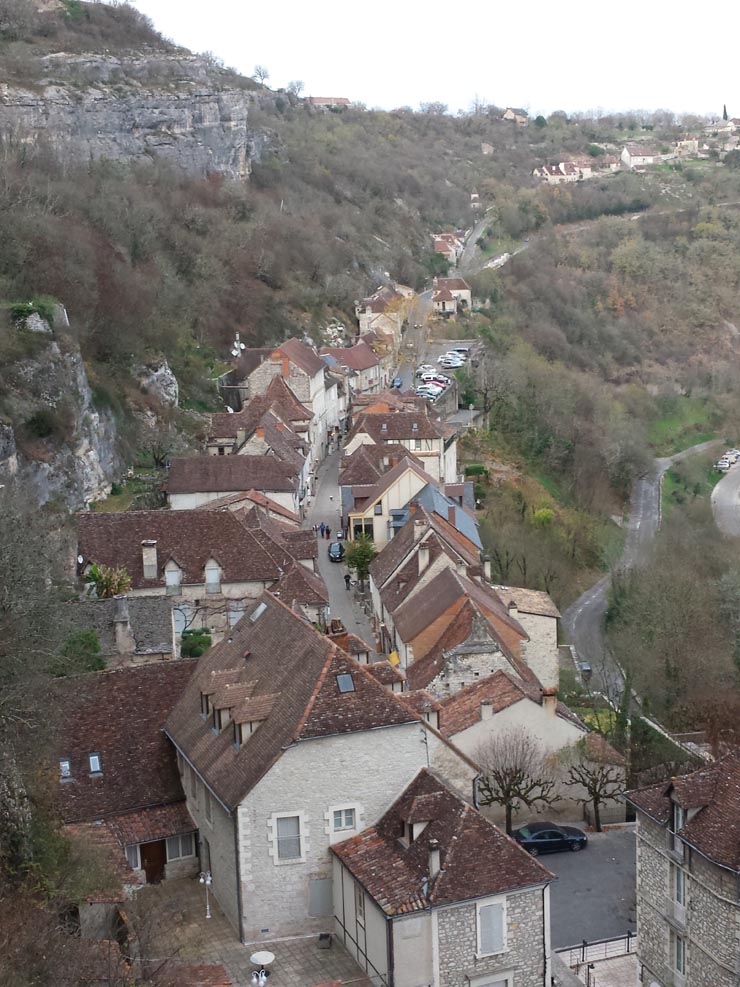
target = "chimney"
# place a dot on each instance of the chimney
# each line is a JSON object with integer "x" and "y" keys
{"x": 513, "y": 610}
{"x": 241, "y": 437}
{"x": 260, "y": 432}
{"x": 486, "y": 709}
{"x": 285, "y": 369}
{"x": 487, "y": 567}
{"x": 125, "y": 643}
{"x": 418, "y": 528}
{"x": 423, "y": 557}
{"x": 451, "y": 515}
{"x": 434, "y": 861}
{"x": 149, "y": 559}
{"x": 550, "y": 701}
{"x": 462, "y": 569}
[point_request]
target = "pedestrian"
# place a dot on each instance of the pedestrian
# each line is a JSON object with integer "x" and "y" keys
{"x": 328, "y": 531}
{"x": 347, "y": 580}
{"x": 321, "y": 529}
{"x": 315, "y": 529}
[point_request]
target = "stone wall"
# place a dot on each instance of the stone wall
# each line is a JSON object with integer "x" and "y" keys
{"x": 524, "y": 956}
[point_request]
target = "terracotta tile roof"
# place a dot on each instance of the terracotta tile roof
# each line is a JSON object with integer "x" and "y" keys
{"x": 155, "y": 823}
{"x": 289, "y": 659}
{"x": 358, "y": 357}
{"x": 453, "y": 284}
{"x": 601, "y": 751}
{"x": 226, "y": 426}
{"x": 462, "y": 709}
{"x": 387, "y": 480}
{"x": 390, "y": 400}
{"x": 381, "y": 299}
{"x": 714, "y": 792}
{"x": 303, "y": 356}
{"x": 420, "y": 701}
{"x": 189, "y": 538}
{"x": 442, "y": 295}
{"x": 386, "y": 673}
{"x": 119, "y": 715}
{"x": 300, "y": 585}
{"x": 246, "y": 501}
{"x": 476, "y": 858}
{"x": 394, "y": 553}
{"x": 528, "y": 600}
{"x": 230, "y": 474}
{"x": 285, "y": 403}
{"x": 400, "y": 425}
{"x": 367, "y": 463}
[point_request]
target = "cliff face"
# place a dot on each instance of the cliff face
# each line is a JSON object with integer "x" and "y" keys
{"x": 175, "y": 106}
{"x": 78, "y": 469}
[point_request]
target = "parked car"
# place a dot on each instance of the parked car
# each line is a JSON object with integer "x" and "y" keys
{"x": 450, "y": 355}
{"x": 732, "y": 454}
{"x": 464, "y": 351}
{"x": 546, "y": 837}
{"x": 435, "y": 379}
{"x": 397, "y": 382}
{"x": 425, "y": 368}
{"x": 722, "y": 466}
{"x": 452, "y": 364}
{"x": 336, "y": 552}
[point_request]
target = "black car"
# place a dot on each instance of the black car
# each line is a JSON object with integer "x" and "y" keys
{"x": 336, "y": 552}
{"x": 396, "y": 382}
{"x": 546, "y": 837}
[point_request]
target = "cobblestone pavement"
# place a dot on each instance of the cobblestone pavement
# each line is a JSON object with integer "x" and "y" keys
{"x": 176, "y": 932}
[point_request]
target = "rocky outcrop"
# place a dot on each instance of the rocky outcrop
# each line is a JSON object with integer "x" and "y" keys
{"x": 158, "y": 380}
{"x": 76, "y": 466}
{"x": 175, "y": 106}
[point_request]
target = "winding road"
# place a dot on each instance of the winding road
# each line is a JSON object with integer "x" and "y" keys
{"x": 583, "y": 621}
{"x": 726, "y": 503}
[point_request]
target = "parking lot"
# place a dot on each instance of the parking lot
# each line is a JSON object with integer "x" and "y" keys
{"x": 594, "y": 895}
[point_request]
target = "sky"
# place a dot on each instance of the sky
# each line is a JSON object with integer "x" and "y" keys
{"x": 540, "y": 55}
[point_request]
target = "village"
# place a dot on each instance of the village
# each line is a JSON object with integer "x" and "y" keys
{"x": 341, "y": 719}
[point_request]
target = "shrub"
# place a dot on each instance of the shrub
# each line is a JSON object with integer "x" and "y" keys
{"x": 476, "y": 469}
{"x": 79, "y": 653}
{"x": 195, "y": 642}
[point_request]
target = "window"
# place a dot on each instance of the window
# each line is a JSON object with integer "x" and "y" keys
{"x": 417, "y": 444}
{"x": 492, "y": 928}
{"x": 344, "y": 819}
{"x": 679, "y": 955}
{"x": 288, "y": 837}
{"x": 94, "y": 761}
{"x": 173, "y": 579}
{"x": 220, "y": 719}
{"x": 193, "y": 784}
{"x": 132, "y": 856}
{"x": 213, "y": 577}
{"x": 208, "y": 806}
{"x": 238, "y": 735}
{"x": 359, "y": 904}
{"x": 346, "y": 683}
{"x": 257, "y": 612}
{"x": 679, "y": 886}
{"x": 378, "y": 509}
{"x": 65, "y": 768}
{"x": 180, "y": 846}
{"x": 678, "y": 822}
{"x": 205, "y": 704}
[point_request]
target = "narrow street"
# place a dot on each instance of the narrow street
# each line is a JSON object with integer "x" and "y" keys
{"x": 325, "y": 507}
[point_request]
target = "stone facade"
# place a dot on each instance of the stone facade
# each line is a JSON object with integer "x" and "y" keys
{"x": 526, "y": 956}
{"x": 709, "y": 923}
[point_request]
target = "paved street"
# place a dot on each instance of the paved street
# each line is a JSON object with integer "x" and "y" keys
{"x": 594, "y": 896}
{"x": 325, "y": 507}
{"x": 726, "y": 503}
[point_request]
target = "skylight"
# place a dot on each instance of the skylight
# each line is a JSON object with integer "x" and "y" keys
{"x": 257, "y": 613}
{"x": 345, "y": 682}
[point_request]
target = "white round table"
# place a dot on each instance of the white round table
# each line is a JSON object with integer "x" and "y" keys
{"x": 263, "y": 958}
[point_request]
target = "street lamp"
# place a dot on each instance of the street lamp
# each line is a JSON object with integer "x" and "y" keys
{"x": 206, "y": 880}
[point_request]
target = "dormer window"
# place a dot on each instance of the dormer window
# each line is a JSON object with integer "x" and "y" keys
{"x": 220, "y": 719}
{"x": 213, "y": 576}
{"x": 205, "y": 705}
{"x": 65, "y": 769}
{"x": 345, "y": 682}
{"x": 173, "y": 578}
{"x": 94, "y": 762}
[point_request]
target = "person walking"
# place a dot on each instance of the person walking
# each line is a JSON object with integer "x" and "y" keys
{"x": 347, "y": 580}
{"x": 321, "y": 529}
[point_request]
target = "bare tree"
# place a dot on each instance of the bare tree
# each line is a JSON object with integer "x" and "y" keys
{"x": 514, "y": 773}
{"x": 261, "y": 74}
{"x": 602, "y": 783}
{"x": 295, "y": 87}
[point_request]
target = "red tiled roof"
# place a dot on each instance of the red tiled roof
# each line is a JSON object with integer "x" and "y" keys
{"x": 230, "y": 474}
{"x": 453, "y": 284}
{"x": 442, "y": 295}
{"x": 368, "y": 463}
{"x": 387, "y": 480}
{"x": 476, "y": 858}
{"x": 358, "y": 357}
{"x": 119, "y": 715}
{"x": 399, "y": 425}
{"x": 189, "y": 538}
{"x": 247, "y": 500}
{"x": 299, "y": 585}
{"x": 286, "y": 658}
{"x": 714, "y": 792}
{"x": 532, "y": 601}
{"x": 303, "y": 356}
{"x": 386, "y": 673}
{"x": 155, "y": 823}
{"x": 420, "y": 701}
{"x": 462, "y": 709}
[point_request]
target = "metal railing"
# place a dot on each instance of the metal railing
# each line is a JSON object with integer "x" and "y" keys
{"x": 599, "y": 949}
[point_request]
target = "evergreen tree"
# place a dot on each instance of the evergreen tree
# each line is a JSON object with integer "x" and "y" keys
{"x": 724, "y": 111}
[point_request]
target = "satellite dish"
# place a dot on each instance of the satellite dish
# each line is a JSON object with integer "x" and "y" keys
{"x": 230, "y": 410}
{"x": 80, "y": 560}
{"x": 235, "y": 352}
{"x": 242, "y": 346}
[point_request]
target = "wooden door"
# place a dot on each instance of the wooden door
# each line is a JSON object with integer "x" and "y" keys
{"x": 153, "y": 860}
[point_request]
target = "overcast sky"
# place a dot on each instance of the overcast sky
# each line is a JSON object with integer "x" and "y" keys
{"x": 541, "y": 55}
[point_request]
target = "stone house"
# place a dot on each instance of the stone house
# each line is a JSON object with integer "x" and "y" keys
{"x": 516, "y": 115}
{"x": 208, "y": 563}
{"x": 433, "y": 893}
{"x": 443, "y": 302}
{"x": 372, "y": 509}
{"x": 363, "y": 364}
{"x": 688, "y": 878}
{"x": 457, "y": 287}
{"x": 286, "y": 746}
{"x": 638, "y": 156}
{"x": 116, "y": 770}
{"x": 384, "y": 312}
{"x": 431, "y": 440}
{"x": 132, "y": 630}
{"x": 195, "y": 480}
{"x": 363, "y": 468}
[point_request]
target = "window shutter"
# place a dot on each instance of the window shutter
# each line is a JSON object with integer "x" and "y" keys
{"x": 491, "y": 920}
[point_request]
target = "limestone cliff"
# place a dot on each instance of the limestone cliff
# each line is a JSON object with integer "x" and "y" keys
{"x": 75, "y": 466}
{"x": 136, "y": 106}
